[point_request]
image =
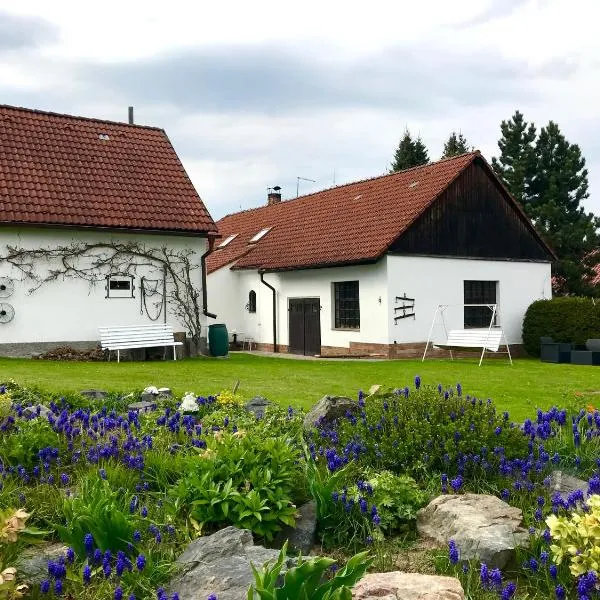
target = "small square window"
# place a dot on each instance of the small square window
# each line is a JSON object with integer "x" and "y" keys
{"x": 347, "y": 305}
{"x": 119, "y": 286}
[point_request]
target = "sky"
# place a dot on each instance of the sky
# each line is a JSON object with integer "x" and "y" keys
{"x": 257, "y": 94}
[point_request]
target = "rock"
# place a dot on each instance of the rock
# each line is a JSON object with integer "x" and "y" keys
{"x": 165, "y": 392}
{"x": 407, "y": 586}
{"x": 94, "y": 394}
{"x": 303, "y": 536}
{"x": 148, "y": 397}
{"x": 142, "y": 406}
{"x": 32, "y": 410}
{"x": 328, "y": 409}
{"x": 484, "y": 527}
{"x": 564, "y": 484}
{"x": 220, "y": 564}
{"x": 32, "y": 565}
{"x": 257, "y": 406}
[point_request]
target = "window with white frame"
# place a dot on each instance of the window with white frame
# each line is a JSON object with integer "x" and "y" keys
{"x": 119, "y": 286}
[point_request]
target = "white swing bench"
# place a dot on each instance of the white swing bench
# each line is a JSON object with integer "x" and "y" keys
{"x": 483, "y": 339}
{"x": 127, "y": 337}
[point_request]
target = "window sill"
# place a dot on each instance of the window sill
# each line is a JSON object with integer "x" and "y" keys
{"x": 345, "y": 329}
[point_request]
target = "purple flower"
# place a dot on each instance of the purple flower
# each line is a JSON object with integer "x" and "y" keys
{"x": 560, "y": 592}
{"x": 453, "y": 554}
{"x": 212, "y": 597}
{"x": 417, "y": 382}
{"x": 457, "y": 483}
{"x": 508, "y": 592}
{"x": 144, "y": 512}
{"x": 45, "y": 586}
{"x": 140, "y": 562}
{"x": 70, "y": 555}
{"x": 88, "y": 542}
{"x": 119, "y": 593}
{"x": 137, "y": 536}
{"x": 484, "y": 576}
{"x": 553, "y": 570}
{"x": 87, "y": 574}
{"x": 58, "y": 587}
{"x": 64, "y": 479}
{"x": 102, "y": 473}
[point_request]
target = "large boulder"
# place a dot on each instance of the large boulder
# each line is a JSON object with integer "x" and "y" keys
{"x": 566, "y": 484}
{"x": 257, "y": 406}
{"x": 220, "y": 564}
{"x": 94, "y": 394}
{"x": 32, "y": 565}
{"x": 328, "y": 409}
{"x": 303, "y": 536}
{"x": 407, "y": 586}
{"x": 484, "y": 527}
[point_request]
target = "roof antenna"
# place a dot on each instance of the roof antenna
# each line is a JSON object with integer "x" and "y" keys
{"x": 298, "y": 183}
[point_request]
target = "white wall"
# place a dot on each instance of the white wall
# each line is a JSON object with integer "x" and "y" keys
{"x": 72, "y": 309}
{"x": 433, "y": 281}
{"x": 228, "y": 294}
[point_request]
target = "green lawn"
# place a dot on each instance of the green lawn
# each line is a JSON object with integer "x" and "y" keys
{"x": 520, "y": 389}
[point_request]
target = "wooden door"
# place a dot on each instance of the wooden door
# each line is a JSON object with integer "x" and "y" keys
{"x": 304, "y": 326}
{"x": 296, "y": 325}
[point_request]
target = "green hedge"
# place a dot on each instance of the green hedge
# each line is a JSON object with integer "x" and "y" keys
{"x": 568, "y": 319}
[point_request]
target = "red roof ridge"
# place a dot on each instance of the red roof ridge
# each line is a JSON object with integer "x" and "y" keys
{"x": 474, "y": 153}
{"x": 77, "y": 117}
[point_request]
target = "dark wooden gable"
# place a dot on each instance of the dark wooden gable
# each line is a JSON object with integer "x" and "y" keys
{"x": 475, "y": 218}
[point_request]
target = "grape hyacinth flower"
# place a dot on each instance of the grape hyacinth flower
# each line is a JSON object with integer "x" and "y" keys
{"x": 560, "y": 592}
{"x": 88, "y": 542}
{"x": 140, "y": 562}
{"x": 453, "y": 554}
{"x": 509, "y": 591}
{"x": 87, "y": 574}
{"x": 45, "y": 586}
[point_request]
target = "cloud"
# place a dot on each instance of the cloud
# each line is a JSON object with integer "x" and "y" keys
{"x": 277, "y": 79}
{"x": 23, "y": 32}
{"x": 497, "y": 9}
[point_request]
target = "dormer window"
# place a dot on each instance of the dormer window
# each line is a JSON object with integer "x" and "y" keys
{"x": 227, "y": 240}
{"x": 261, "y": 234}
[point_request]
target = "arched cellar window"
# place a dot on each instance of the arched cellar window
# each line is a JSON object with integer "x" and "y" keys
{"x": 252, "y": 301}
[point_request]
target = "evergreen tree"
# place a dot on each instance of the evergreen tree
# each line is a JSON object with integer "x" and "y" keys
{"x": 410, "y": 153}
{"x": 456, "y": 145}
{"x": 517, "y": 162}
{"x": 557, "y": 189}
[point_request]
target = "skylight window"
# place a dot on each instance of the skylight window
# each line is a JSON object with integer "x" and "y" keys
{"x": 227, "y": 240}
{"x": 261, "y": 234}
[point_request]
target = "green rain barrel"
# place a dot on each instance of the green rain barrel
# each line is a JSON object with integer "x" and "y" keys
{"x": 218, "y": 339}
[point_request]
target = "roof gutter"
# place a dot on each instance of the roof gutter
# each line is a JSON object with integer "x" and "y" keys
{"x": 211, "y": 243}
{"x": 274, "y": 292}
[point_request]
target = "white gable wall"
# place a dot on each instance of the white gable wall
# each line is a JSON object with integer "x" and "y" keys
{"x": 71, "y": 309}
{"x": 228, "y": 294}
{"x": 436, "y": 280}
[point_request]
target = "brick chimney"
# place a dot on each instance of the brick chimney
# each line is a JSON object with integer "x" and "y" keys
{"x": 274, "y": 195}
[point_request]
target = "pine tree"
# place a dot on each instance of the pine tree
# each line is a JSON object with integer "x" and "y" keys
{"x": 456, "y": 145}
{"x": 410, "y": 153}
{"x": 557, "y": 189}
{"x": 516, "y": 164}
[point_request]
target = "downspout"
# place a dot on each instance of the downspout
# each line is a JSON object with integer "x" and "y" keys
{"x": 274, "y": 291}
{"x": 211, "y": 242}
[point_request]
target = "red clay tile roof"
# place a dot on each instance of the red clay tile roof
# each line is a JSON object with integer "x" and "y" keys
{"x": 346, "y": 224}
{"x": 63, "y": 170}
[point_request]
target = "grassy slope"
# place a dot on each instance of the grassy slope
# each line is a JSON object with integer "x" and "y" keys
{"x": 518, "y": 389}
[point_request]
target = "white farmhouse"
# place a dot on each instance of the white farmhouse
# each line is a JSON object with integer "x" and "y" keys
{"x": 361, "y": 268}
{"x": 69, "y": 183}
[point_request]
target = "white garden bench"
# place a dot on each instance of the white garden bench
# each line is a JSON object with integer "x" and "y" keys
{"x": 128, "y": 337}
{"x": 476, "y": 340}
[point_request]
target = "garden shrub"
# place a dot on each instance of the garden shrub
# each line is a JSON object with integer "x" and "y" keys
{"x": 568, "y": 319}
{"x": 243, "y": 479}
{"x": 417, "y": 432}
{"x": 309, "y": 579}
{"x": 98, "y": 510}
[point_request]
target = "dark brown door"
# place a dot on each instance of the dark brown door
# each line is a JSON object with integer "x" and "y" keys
{"x": 304, "y": 326}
